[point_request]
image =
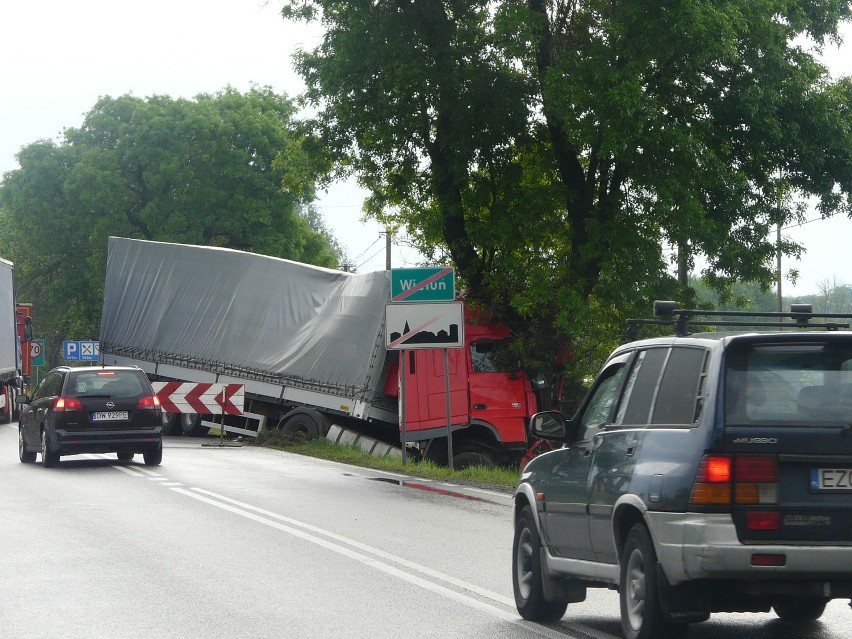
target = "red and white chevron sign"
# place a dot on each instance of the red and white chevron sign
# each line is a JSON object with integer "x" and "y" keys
{"x": 209, "y": 399}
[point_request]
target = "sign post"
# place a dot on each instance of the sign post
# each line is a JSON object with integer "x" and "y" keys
{"x": 413, "y": 324}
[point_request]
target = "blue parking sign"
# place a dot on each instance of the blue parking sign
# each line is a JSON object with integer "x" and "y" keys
{"x": 71, "y": 351}
{"x": 81, "y": 351}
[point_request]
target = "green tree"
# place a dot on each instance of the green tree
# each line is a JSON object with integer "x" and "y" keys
{"x": 551, "y": 147}
{"x": 226, "y": 169}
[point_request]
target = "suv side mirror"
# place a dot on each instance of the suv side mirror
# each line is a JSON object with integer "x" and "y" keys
{"x": 550, "y": 424}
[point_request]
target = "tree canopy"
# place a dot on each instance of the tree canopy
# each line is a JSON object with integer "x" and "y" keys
{"x": 553, "y": 148}
{"x": 224, "y": 170}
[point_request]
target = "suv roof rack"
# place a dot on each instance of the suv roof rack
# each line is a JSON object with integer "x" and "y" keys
{"x": 668, "y": 314}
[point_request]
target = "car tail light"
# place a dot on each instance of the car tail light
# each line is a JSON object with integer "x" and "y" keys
{"x": 756, "y": 478}
{"x": 151, "y": 402}
{"x": 713, "y": 483}
{"x": 67, "y": 405}
{"x": 739, "y": 479}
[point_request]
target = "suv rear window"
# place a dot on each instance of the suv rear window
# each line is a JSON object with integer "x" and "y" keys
{"x": 110, "y": 382}
{"x": 801, "y": 383}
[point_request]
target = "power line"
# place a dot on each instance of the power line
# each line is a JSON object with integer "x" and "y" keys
{"x": 793, "y": 226}
{"x": 356, "y": 258}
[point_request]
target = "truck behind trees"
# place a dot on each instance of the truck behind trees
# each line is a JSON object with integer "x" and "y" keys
{"x": 309, "y": 346}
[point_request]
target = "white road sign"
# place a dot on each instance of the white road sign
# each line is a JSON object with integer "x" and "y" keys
{"x": 424, "y": 325}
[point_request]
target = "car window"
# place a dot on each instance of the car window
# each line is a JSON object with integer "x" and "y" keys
{"x": 50, "y": 386}
{"x": 641, "y": 387}
{"x": 598, "y": 410}
{"x": 680, "y": 397}
{"x": 107, "y": 382}
{"x": 784, "y": 383}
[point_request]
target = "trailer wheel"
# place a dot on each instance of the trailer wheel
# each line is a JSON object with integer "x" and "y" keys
{"x": 172, "y": 424}
{"x": 308, "y": 424}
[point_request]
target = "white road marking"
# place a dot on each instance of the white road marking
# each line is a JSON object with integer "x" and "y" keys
{"x": 128, "y": 470}
{"x": 367, "y": 548}
{"x": 274, "y": 520}
{"x": 308, "y": 533}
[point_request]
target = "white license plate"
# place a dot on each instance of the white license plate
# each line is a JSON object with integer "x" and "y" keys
{"x": 110, "y": 416}
{"x": 831, "y": 479}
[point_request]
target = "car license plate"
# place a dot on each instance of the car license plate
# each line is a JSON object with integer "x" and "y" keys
{"x": 831, "y": 479}
{"x": 110, "y": 416}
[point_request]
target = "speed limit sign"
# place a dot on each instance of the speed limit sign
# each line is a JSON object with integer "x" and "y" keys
{"x": 37, "y": 352}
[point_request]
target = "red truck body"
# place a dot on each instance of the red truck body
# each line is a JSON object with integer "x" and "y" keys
{"x": 490, "y": 404}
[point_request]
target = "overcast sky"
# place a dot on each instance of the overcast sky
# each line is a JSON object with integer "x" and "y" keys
{"x": 58, "y": 57}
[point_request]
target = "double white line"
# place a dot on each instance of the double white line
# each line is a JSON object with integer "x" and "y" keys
{"x": 479, "y": 598}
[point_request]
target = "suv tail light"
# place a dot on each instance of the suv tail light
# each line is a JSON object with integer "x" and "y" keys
{"x": 67, "y": 405}
{"x": 736, "y": 479}
{"x": 151, "y": 402}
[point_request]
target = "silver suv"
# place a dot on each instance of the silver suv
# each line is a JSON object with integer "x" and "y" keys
{"x": 704, "y": 472}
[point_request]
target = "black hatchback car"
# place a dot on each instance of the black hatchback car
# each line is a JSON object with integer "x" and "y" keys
{"x": 704, "y": 472}
{"x": 103, "y": 409}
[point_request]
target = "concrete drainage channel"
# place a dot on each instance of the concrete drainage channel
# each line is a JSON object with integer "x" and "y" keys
{"x": 345, "y": 437}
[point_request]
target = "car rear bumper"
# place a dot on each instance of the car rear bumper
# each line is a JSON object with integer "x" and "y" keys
{"x": 107, "y": 441}
{"x": 695, "y": 546}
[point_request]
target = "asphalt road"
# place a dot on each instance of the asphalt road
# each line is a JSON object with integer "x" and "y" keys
{"x": 248, "y": 542}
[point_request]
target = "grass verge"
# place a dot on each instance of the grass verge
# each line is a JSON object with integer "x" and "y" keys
{"x": 323, "y": 449}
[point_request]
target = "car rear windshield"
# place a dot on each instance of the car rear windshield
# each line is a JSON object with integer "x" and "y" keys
{"x": 106, "y": 382}
{"x": 802, "y": 383}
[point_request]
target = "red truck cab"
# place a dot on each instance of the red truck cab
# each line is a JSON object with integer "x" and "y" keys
{"x": 491, "y": 399}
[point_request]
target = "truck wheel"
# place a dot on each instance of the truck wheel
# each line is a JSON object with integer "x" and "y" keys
{"x": 526, "y": 573}
{"x": 190, "y": 424}
{"x": 24, "y": 455}
{"x": 641, "y": 612}
{"x": 472, "y": 458}
{"x": 307, "y": 424}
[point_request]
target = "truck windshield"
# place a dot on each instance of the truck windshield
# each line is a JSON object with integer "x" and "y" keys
{"x": 793, "y": 383}
{"x": 493, "y": 356}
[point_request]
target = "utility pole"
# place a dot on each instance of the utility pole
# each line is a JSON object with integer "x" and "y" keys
{"x": 778, "y": 265}
{"x": 778, "y": 246}
{"x": 387, "y": 249}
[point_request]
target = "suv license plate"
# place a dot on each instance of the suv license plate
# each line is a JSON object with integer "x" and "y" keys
{"x": 831, "y": 479}
{"x": 110, "y": 416}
